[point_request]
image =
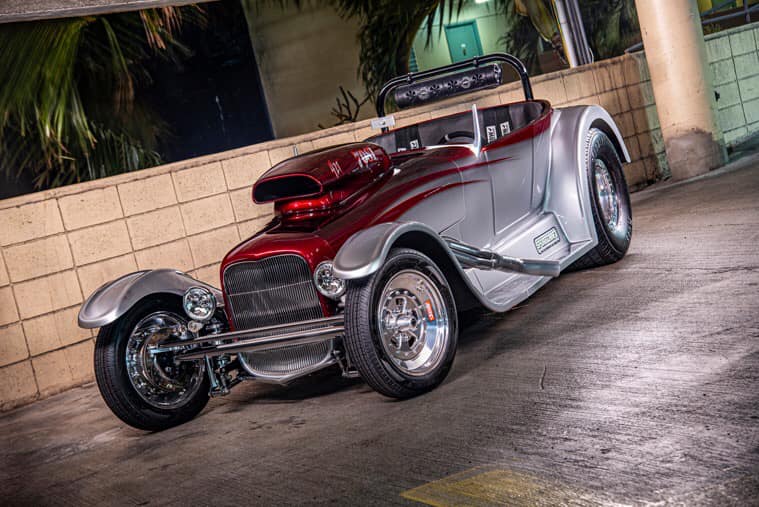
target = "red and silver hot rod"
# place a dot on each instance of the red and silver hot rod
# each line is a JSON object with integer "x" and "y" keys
{"x": 374, "y": 248}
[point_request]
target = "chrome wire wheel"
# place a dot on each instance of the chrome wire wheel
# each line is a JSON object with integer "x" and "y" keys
{"x": 606, "y": 192}
{"x": 157, "y": 379}
{"x": 413, "y": 322}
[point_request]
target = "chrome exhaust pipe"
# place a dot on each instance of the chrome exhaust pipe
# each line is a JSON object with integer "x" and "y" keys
{"x": 473, "y": 257}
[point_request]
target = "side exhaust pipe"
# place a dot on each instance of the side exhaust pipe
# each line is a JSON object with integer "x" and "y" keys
{"x": 473, "y": 257}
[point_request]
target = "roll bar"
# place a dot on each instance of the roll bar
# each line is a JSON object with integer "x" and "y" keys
{"x": 415, "y": 77}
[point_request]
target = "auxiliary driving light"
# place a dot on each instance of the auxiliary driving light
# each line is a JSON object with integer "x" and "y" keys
{"x": 199, "y": 303}
{"x": 326, "y": 282}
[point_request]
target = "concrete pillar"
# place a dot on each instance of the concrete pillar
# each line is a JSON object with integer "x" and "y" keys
{"x": 681, "y": 80}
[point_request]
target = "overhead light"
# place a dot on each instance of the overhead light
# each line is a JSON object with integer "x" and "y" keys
{"x": 481, "y": 1}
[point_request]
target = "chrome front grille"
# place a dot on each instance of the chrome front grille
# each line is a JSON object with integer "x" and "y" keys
{"x": 275, "y": 290}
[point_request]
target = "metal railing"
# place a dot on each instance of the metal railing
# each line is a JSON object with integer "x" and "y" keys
{"x": 747, "y": 11}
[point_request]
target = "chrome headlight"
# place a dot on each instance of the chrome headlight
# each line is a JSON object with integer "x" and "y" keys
{"x": 199, "y": 303}
{"x": 326, "y": 282}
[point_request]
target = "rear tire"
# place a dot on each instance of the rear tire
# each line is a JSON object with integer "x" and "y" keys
{"x": 159, "y": 403}
{"x": 610, "y": 203}
{"x": 401, "y": 327}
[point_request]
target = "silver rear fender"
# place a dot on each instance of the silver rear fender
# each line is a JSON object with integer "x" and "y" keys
{"x": 115, "y": 298}
{"x": 567, "y": 193}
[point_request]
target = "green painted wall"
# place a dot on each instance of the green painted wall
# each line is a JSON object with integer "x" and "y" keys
{"x": 734, "y": 59}
{"x": 490, "y": 25}
{"x": 303, "y": 55}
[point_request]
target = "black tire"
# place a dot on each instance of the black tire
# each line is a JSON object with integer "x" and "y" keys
{"x": 113, "y": 381}
{"x": 362, "y": 333}
{"x": 612, "y": 242}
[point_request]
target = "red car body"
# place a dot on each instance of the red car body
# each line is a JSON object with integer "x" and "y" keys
{"x": 314, "y": 227}
{"x": 374, "y": 249}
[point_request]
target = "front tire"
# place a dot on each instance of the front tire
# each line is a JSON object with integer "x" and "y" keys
{"x": 148, "y": 392}
{"x": 401, "y": 327}
{"x": 610, "y": 203}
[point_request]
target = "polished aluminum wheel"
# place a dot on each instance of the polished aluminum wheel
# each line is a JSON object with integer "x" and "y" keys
{"x": 157, "y": 379}
{"x": 413, "y": 322}
{"x": 608, "y": 200}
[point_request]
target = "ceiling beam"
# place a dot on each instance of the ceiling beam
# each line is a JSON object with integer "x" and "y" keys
{"x": 12, "y": 11}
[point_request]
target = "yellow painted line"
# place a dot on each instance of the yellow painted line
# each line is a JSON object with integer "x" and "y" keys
{"x": 484, "y": 486}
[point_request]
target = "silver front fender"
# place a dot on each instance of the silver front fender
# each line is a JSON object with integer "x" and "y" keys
{"x": 115, "y": 298}
{"x": 366, "y": 251}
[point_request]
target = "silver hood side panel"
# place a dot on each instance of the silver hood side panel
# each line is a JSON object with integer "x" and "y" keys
{"x": 565, "y": 205}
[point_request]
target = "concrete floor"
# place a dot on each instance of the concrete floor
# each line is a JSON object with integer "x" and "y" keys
{"x": 632, "y": 383}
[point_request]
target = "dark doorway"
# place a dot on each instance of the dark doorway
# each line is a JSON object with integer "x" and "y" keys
{"x": 463, "y": 40}
{"x": 214, "y": 101}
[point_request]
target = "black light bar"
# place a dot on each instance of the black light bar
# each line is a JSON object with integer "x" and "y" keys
{"x": 435, "y": 84}
{"x": 414, "y": 94}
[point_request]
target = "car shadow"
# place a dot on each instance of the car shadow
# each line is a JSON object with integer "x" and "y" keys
{"x": 473, "y": 324}
{"x": 322, "y": 383}
{"x": 483, "y": 335}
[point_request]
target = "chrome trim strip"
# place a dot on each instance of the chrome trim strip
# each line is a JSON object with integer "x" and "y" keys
{"x": 266, "y": 343}
{"x": 253, "y": 333}
{"x": 259, "y": 339}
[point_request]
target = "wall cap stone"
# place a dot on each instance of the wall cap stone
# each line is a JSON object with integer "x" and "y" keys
{"x": 190, "y": 163}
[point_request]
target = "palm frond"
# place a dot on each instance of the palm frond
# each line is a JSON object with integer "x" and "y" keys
{"x": 117, "y": 152}
{"x": 39, "y": 99}
{"x": 611, "y": 26}
{"x": 68, "y": 104}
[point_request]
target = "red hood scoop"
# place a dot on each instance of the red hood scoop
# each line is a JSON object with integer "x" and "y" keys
{"x": 341, "y": 168}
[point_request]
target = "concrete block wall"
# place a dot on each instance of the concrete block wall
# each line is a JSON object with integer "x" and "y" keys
{"x": 734, "y": 60}
{"x": 58, "y": 246}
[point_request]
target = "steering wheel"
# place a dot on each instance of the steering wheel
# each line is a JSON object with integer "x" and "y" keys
{"x": 453, "y": 135}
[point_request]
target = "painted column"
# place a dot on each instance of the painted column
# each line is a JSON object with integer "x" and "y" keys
{"x": 681, "y": 80}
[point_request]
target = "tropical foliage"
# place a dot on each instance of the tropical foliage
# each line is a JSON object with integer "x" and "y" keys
{"x": 347, "y": 108}
{"x": 611, "y": 26}
{"x": 69, "y": 103}
{"x": 526, "y": 23}
{"x": 387, "y": 28}
{"x": 386, "y": 35}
